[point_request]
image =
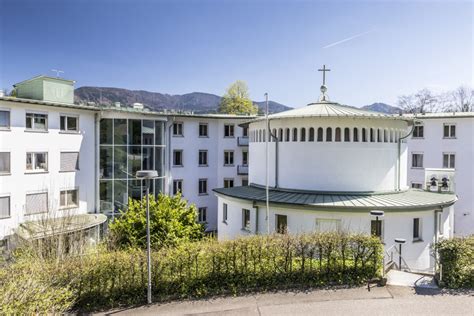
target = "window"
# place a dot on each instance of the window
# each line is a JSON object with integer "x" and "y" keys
{"x": 281, "y": 224}
{"x": 329, "y": 134}
{"x": 177, "y": 129}
{"x": 355, "y": 136}
{"x": 4, "y": 207}
{"x": 338, "y": 134}
{"x": 416, "y": 229}
{"x": 37, "y": 161}
{"x": 245, "y": 219}
{"x": 449, "y": 160}
{"x": 417, "y": 160}
{"x": 203, "y": 158}
{"x": 364, "y": 135}
{"x": 68, "y": 123}
{"x": 36, "y": 122}
{"x": 177, "y": 186}
{"x": 416, "y": 185}
{"x": 202, "y": 214}
{"x": 245, "y": 158}
{"x": 228, "y": 157}
{"x": 295, "y": 134}
{"x": 228, "y": 183}
{"x": 372, "y": 135}
{"x": 245, "y": 131}
{"x": 4, "y": 163}
{"x": 347, "y": 134}
{"x": 178, "y": 158}
{"x": 4, "y": 119}
{"x": 69, "y": 161}
{"x": 320, "y": 134}
{"x": 379, "y": 135}
{"x": 202, "y": 186}
{"x": 287, "y": 135}
{"x": 224, "y": 212}
{"x": 36, "y": 203}
{"x": 280, "y": 135}
{"x": 311, "y": 134}
{"x": 449, "y": 130}
{"x": 418, "y": 131}
{"x": 376, "y": 228}
{"x": 229, "y": 130}
{"x": 69, "y": 199}
{"x": 203, "y": 132}
{"x": 245, "y": 182}
{"x": 303, "y": 135}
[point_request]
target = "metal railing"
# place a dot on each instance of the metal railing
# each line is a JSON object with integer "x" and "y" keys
{"x": 243, "y": 141}
{"x": 391, "y": 259}
{"x": 242, "y": 169}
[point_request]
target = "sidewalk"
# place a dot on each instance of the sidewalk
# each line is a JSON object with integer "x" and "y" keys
{"x": 389, "y": 300}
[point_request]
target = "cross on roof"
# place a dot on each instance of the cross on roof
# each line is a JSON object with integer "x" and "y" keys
{"x": 324, "y": 73}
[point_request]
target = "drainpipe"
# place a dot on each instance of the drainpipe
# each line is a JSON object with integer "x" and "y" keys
{"x": 170, "y": 190}
{"x": 399, "y": 153}
{"x": 96, "y": 163}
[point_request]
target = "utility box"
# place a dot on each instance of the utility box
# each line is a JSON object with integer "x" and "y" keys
{"x": 44, "y": 88}
{"x": 440, "y": 180}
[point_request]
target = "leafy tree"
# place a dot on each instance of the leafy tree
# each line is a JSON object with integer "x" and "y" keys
{"x": 237, "y": 100}
{"x": 172, "y": 221}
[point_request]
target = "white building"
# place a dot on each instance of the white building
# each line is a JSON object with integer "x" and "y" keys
{"x": 329, "y": 166}
{"x": 446, "y": 140}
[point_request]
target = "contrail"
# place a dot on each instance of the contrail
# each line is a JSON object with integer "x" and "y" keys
{"x": 347, "y": 39}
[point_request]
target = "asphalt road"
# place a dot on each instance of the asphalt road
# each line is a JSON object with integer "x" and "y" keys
{"x": 389, "y": 300}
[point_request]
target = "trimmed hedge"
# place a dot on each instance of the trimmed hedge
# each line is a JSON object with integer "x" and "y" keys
{"x": 456, "y": 256}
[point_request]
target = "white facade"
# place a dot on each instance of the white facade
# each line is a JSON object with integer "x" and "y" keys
{"x": 17, "y": 141}
{"x": 447, "y": 151}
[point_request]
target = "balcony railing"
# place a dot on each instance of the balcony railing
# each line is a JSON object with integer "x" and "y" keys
{"x": 242, "y": 141}
{"x": 242, "y": 169}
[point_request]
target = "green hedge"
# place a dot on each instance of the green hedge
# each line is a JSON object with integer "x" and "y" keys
{"x": 118, "y": 278}
{"x": 456, "y": 257}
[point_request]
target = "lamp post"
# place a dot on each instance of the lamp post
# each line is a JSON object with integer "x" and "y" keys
{"x": 378, "y": 232}
{"x": 148, "y": 175}
{"x": 400, "y": 242}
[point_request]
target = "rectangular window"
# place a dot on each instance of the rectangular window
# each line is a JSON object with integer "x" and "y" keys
{"x": 37, "y": 162}
{"x": 224, "y": 212}
{"x": 69, "y": 161}
{"x": 228, "y": 157}
{"x": 228, "y": 183}
{"x": 449, "y": 130}
{"x": 36, "y": 122}
{"x": 203, "y": 158}
{"x": 245, "y": 219}
{"x": 4, "y": 207}
{"x": 178, "y": 158}
{"x": 69, "y": 199}
{"x": 415, "y": 185}
{"x": 229, "y": 130}
{"x": 202, "y": 186}
{"x": 177, "y": 186}
{"x": 5, "y": 163}
{"x": 177, "y": 129}
{"x": 4, "y": 119}
{"x": 245, "y": 131}
{"x": 202, "y": 214}
{"x": 203, "y": 130}
{"x": 36, "y": 203}
{"x": 449, "y": 160}
{"x": 439, "y": 219}
{"x": 417, "y": 160}
{"x": 376, "y": 228}
{"x": 418, "y": 131}
{"x": 281, "y": 224}
{"x": 69, "y": 123}
{"x": 416, "y": 229}
{"x": 245, "y": 158}
{"x": 245, "y": 182}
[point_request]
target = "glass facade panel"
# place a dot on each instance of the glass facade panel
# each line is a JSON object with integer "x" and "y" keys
{"x": 135, "y": 189}
{"x": 159, "y": 160}
{"x": 120, "y": 162}
{"x": 105, "y": 191}
{"x": 120, "y": 131}
{"x": 148, "y": 131}
{"x": 106, "y": 132}
{"x": 147, "y": 158}
{"x": 134, "y": 160}
{"x": 120, "y": 194}
{"x": 159, "y": 133}
{"x": 106, "y": 162}
{"x": 135, "y": 132}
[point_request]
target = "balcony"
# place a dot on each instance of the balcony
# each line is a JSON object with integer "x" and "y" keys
{"x": 242, "y": 141}
{"x": 242, "y": 170}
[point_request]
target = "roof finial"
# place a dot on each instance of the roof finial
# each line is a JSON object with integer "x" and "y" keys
{"x": 323, "y": 88}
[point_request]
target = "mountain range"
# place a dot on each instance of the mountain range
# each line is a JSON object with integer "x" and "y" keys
{"x": 197, "y": 102}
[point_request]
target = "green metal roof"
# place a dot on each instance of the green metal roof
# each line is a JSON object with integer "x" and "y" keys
{"x": 406, "y": 200}
{"x": 54, "y": 104}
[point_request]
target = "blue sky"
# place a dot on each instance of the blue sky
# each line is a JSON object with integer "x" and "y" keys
{"x": 178, "y": 47}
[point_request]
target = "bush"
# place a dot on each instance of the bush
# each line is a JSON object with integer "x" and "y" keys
{"x": 172, "y": 221}
{"x": 456, "y": 257}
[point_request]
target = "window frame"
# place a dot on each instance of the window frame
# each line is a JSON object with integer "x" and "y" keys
{"x": 229, "y": 181}
{"x": 417, "y": 185}
{"x": 450, "y": 130}
{"x": 205, "y": 135}
{"x": 225, "y": 208}
{"x": 418, "y": 128}
{"x": 451, "y": 160}
{"x": 175, "y": 151}
{"x": 178, "y": 129}
{"x": 202, "y": 211}
{"x": 229, "y": 130}
{"x": 246, "y": 219}
{"x": 8, "y": 196}
{"x": 278, "y": 229}
{"x": 7, "y": 128}
{"x": 35, "y": 193}
{"x": 9, "y": 172}
{"x": 67, "y": 206}
{"x": 205, "y": 152}
{"x": 229, "y": 157}
{"x": 417, "y": 229}
{"x": 32, "y": 128}
{"x": 34, "y": 162}
{"x": 413, "y": 160}
{"x": 205, "y": 187}
{"x": 66, "y": 124}
{"x": 77, "y": 163}
{"x": 177, "y": 186}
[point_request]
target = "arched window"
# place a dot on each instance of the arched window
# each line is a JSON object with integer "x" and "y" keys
{"x": 260, "y": 136}
{"x": 338, "y": 134}
{"x": 320, "y": 134}
{"x": 347, "y": 134}
{"x": 303, "y": 134}
{"x": 379, "y": 135}
{"x": 280, "y": 135}
{"x": 364, "y": 135}
{"x": 372, "y": 135}
{"x": 274, "y": 135}
{"x": 355, "y": 137}
{"x": 311, "y": 134}
{"x": 264, "y": 136}
{"x": 329, "y": 134}
{"x": 287, "y": 135}
{"x": 391, "y": 135}
{"x": 385, "y": 136}
{"x": 396, "y": 136}
{"x": 295, "y": 134}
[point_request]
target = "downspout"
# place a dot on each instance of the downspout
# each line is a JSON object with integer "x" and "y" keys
{"x": 168, "y": 171}
{"x": 255, "y": 206}
{"x": 96, "y": 164}
{"x": 399, "y": 153}
{"x": 274, "y": 136}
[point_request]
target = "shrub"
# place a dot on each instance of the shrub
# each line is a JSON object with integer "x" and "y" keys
{"x": 171, "y": 221}
{"x": 456, "y": 256}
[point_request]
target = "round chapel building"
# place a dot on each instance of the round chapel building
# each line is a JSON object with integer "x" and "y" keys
{"x": 329, "y": 166}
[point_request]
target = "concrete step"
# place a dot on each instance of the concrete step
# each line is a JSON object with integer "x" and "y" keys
{"x": 402, "y": 278}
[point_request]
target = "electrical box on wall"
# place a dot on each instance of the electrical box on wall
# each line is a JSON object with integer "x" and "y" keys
{"x": 440, "y": 180}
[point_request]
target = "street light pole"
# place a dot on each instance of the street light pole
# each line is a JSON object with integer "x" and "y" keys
{"x": 400, "y": 242}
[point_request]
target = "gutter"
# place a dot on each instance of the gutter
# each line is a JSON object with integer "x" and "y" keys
{"x": 399, "y": 153}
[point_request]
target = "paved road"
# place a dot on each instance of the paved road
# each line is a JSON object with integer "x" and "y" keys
{"x": 390, "y": 300}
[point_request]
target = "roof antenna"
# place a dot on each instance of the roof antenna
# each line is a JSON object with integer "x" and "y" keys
{"x": 57, "y": 72}
{"x": 324, "y": 88}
